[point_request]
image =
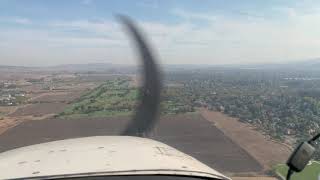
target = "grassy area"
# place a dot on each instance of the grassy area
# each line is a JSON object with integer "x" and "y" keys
{"x": 311, "y": 172}
{"x": 117, "y": 98}
{"x": 114, "y": 97}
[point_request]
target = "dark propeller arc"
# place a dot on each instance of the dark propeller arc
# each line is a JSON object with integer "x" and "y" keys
{"x": 146, "y": 113}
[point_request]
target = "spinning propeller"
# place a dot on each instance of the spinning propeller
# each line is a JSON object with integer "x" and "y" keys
{"x": 146, "y": 113}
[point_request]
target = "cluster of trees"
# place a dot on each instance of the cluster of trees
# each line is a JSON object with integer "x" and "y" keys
{"x": 175, "y": 100}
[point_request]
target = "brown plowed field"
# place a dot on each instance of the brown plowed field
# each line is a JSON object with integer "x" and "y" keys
{"x": 189, "y": 133}
{"x": 65, "y": 97}
{"x": 39, "y": 109}
{"x": 7, "y": 123}
{"x": 262, "y": 148}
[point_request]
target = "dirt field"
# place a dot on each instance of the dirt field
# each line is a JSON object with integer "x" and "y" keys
{"x": 189, "y": 133}
{"x": 65, "y": 97}
{"x": 39, "y": 109}
{"x": 264, "y": 150}
{"x": 7, "y": 123}
{"x": 7, "y": 109}
{"x": 33, "y": 89}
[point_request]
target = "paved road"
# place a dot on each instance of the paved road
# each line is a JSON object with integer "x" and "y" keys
{"x": 188, "y": 133}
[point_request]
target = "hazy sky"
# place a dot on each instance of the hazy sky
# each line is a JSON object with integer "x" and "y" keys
{"x": 54, "y": 32}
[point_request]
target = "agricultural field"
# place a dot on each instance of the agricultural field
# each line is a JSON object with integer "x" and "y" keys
{"x": 311, "y": 172}
{"x": 39, "y": 109}
{"x": 5, "y": 110}
{"x": 64, "y": 97}
{"x": 187, "y": 132}
{"x": 35, "y": 95}
{"x": 267, "y": 152}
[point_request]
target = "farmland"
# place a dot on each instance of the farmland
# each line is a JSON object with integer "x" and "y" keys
{"x": 39, "y": 109}
{"x": 264, "y": 150}
{"x": 34, "y": 95}
{"x": 64, "y": 97}
{"x": 189, "y": 133}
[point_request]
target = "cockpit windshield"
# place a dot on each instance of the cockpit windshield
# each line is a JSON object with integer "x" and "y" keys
{"x": 221, "y": 88}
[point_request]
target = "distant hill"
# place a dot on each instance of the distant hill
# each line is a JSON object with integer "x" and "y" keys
{"x": 312, "y": 64}
{"x": 90, "y": 67}
{"x": 96, "y": 67}
{"x": 17, "y": 68}
{"x": 85, "y": 67}
{"x": 308, "y": 64}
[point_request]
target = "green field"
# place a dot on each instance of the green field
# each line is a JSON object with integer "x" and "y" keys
{"x": 311, "y": 172}
{"x": 114, "y": 97}
{"x": 117, "y": 97}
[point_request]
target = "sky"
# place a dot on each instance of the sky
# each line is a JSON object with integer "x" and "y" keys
{"x": 47, "y": 32}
